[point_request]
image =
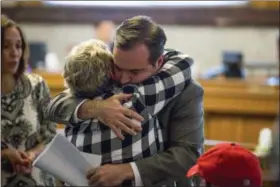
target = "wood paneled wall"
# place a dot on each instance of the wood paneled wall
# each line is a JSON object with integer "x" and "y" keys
{"x": 55, "y": 82}
{"x": 237, "y": 110}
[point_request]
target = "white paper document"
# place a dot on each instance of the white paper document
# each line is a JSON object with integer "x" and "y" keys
{"x": 65, "y": 162}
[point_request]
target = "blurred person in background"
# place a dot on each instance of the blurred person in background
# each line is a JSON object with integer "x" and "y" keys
{"x": 24, "y": 97}
{"x": 139, "y": 53}
{"x": 105, "y": 31}
{"x": 276, "y": 79}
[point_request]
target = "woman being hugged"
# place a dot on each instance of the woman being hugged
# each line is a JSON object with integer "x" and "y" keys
{"x": 24, "y": 97}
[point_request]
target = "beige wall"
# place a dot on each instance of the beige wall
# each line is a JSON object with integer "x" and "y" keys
{"x": 205, "y": 44}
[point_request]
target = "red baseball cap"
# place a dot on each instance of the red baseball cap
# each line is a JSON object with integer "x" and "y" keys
{"x": 228, "y": 164}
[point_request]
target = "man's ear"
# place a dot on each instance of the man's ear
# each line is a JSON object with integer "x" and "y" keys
{"x": 159, "y": 62}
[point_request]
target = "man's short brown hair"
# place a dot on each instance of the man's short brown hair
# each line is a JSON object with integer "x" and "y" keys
{"x": 141, "y": 30}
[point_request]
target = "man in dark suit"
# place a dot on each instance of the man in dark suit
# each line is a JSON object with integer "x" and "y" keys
{"x": 139, "y": 53}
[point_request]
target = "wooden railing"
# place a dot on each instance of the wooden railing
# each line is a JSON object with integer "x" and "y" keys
{"x": 54, "y": 81}
{"x": 236, "y": 110}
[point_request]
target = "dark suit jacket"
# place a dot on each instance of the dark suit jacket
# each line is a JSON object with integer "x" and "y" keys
{"x": 182, "y": 121}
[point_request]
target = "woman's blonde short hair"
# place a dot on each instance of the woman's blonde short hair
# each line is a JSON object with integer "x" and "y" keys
{"x": 87, "y": 66}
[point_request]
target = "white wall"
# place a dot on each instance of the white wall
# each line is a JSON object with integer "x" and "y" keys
{"x": 205, "y": 44}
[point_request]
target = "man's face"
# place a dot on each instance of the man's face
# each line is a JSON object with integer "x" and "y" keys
{"x": 133, "y": 66}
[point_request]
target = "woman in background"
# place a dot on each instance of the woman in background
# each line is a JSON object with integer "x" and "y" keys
{"x": 24, "y": 129}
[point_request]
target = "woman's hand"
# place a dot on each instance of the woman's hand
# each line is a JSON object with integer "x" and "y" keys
{"x": 32, "y": 153}
{"x": 18, "y": 159}
{"x": 31, "y": 156}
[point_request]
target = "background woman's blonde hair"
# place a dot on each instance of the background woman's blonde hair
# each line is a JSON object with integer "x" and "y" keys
{"x": 87, "y": 66}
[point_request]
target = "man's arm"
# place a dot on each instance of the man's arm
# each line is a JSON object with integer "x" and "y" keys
{"x": 183, "y": 121}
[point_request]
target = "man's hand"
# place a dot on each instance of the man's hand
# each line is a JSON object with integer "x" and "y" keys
{"x": 117, "y": 117}
{"x": 18, "y": 159}
{"x": 110, "y": 175}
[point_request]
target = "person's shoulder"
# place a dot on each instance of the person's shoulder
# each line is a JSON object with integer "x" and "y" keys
{"x": 190, "y": 98}
{"x": 35, "y": 79}
{"x": 192, "y": 91}
{"x": 194, "y": 87}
